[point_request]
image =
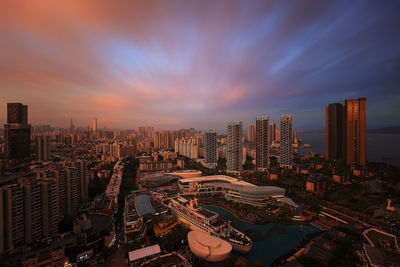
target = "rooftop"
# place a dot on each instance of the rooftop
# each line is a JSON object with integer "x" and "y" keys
{"x": 185, "y": 171}
{"x": 143, "y": 205}
{"x": 220, "y": 178}
{"x": 143, "y": 252}
{"x": 253, "y": 189}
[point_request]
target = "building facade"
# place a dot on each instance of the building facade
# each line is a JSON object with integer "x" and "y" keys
{"x": 233, "y": 189}
{"x": 251, "y": 133}
{"x": 234, "y": 154}
{"x": 42, "y": 148}
{"x": 17, "y": 132}
{"x": 346, "y": 131}
{"x": 271, "y": 133}
{"x": 286, "y": 148}
{"x": 356, "y": 131}
{"x": 95, "y": 133}
{"x": 210, "y": 147}
{"x": 262, "y": 145}
{"x": 157, "y": 140}
{"x": 30, "y": 212}
{"x": 335, "y": 142}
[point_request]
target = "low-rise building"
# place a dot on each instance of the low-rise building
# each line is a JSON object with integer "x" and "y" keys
{"x": 155, "y": 165}
{"x": 340, "y": 177}
{"x": 302, "y": 169}
{"x": 316, "y": 184}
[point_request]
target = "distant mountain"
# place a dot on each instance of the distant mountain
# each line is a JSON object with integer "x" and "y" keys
{"x": 385, "y": 130}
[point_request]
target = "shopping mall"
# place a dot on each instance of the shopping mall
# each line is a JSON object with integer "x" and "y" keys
{"x": 235, "y": 190}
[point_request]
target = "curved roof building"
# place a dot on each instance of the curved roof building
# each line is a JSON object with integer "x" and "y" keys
{"x": 207, "y": 247}
{"x": 233, "y": 189}
{"x": 187, "y": 173}
{"x": 159, "y": 179}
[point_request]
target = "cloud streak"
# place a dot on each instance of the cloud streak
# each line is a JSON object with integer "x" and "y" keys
{"x": 197, "y": 64}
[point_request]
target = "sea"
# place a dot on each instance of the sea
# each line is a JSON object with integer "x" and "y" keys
{"x": 380, "y": 147}
{"x": 279, "y": 238}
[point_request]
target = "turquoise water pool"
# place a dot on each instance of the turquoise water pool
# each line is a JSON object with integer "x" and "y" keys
{"x": 279, "y": 238}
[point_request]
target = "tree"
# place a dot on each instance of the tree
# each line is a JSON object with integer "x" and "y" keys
{"x": 221, "y": 164}
{"x": 96, "y": 187}
{"x": 248, "y": 165}
{"x": 273, "y": 162}
{"x": 66, "y": 225}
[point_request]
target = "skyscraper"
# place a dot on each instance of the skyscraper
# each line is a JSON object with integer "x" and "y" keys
{"x": 271, "y": 133}
{"x": 17, "y": 132}
{"x": 166, "y": 139}
{"x": 234, "y": 155}
{"x": 251, "y": 133}
{"x": 262, "y": 145}
{"x": 30, "y": 211}
{"x": 42, "y": 148}
{"x": 335, "y": 137}
{"x": 95, "y": 127}
{"x": 17, "y": 113}
{"x": 71, "y": 127}
{"x": 286, "y": 149}
{"x": 157, "y": 140}
{"x": 345, "y": 131}
{"x": 210, "y": 147}
{"x": 355, "y": 131}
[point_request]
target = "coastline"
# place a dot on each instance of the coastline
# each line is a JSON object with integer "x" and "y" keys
{"x": 307, "y": 239}
{"x": 261, "y": 236}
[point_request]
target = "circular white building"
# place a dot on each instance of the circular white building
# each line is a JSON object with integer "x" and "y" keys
{"x": 207, "y": 247}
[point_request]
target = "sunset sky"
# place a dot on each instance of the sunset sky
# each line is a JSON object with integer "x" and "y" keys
{"x": 198, "y": 64}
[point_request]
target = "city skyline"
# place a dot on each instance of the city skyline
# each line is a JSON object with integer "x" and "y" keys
{"x": 179, "y": 70}
{"x": 199, "y": 133}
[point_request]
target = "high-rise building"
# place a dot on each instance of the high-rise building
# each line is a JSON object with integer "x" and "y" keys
{"x": 286, "y": 144}
{"x": 251, "y": 133}
{"x": 17, "y": 132}
{"x": 30, "y": 211}
{"x": 187, "y": 147}
{"x": 356, "y": 131}
{"x": 166, "y": 141}
{"x": 42, "y": 148}
{"x": 95, "y": 128}
{"x": 72, "y": 184}
{"x": 262, "y": 145}
{"x": 13, "y": 207}
{"x": 234, "y": 155}
{"x": 346, "y": 131}
{"x": 71, "y": 127}
{"x": 210, "y": 147}
{"x": 335, "y": 136}
{"x": 157, "y": 140}
{"x": 17, "y": 113}
{"x": 271, "y": 133}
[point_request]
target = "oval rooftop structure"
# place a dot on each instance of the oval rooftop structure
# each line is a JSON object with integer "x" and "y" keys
{"x": 207, "y": 247}
{"x": 187, "y": 173}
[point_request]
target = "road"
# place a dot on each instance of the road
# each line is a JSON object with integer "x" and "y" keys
{"x": 349, "y": 215}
